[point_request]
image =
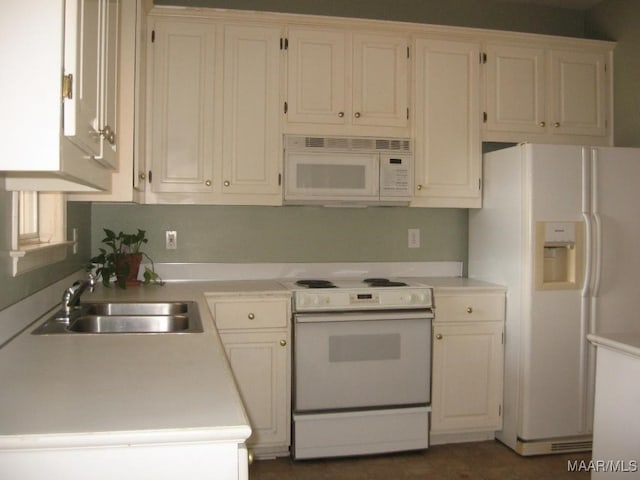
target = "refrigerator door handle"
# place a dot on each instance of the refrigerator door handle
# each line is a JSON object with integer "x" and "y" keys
{"x": 586, "y": 214}
{"x": 598, "y": 223}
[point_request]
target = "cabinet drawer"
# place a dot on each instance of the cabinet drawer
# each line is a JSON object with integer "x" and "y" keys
{"x": 250, "y": 313}
{"x": 469, "y": 307}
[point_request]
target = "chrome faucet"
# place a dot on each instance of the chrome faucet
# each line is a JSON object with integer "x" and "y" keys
{"x": 71, "y": 296}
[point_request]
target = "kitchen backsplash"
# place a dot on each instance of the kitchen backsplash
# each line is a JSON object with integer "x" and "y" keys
{"x": 244, "y": 234}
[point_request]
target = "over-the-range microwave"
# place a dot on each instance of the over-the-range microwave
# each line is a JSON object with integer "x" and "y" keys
{"x": 357, "y": 171}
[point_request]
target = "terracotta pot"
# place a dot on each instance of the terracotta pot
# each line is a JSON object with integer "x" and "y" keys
{"x": 127, "y": 268}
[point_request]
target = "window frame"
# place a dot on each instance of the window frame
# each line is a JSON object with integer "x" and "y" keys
{"x": 45, "y": 246}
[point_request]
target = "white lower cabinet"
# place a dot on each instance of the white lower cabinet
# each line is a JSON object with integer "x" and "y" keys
{"x": 467, "y": 366}
{"x": 256, "y": 337}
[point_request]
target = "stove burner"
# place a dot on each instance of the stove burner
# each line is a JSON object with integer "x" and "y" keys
{"x": 315, "y": 283}
{"x": 383, "y": 282}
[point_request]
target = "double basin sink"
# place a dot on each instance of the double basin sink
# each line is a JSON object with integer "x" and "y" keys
{"x": 125, "y": 317}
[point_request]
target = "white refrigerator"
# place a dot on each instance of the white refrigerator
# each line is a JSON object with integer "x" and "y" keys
{"x": 560, "y": 228}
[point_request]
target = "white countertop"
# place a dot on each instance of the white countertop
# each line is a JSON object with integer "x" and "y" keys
{"x": 628, "y": 343}
{"x": 454, "y": 284}
{"x": 95, "y": 390}
{"x": 100, "y": 390}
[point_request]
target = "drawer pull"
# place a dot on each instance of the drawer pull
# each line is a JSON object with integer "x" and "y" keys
{"x": 469, "y": 310}
{"x": 439, "y": 336}
{"x": 283, "y": 343}
{"x": 251, "y": 316}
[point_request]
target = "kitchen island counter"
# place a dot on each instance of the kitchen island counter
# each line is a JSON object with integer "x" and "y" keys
{"x": 121, "y": 392}
{"x": 616, "y": 424}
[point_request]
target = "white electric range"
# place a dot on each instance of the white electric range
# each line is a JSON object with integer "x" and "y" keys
{"x": 361, "y": 366}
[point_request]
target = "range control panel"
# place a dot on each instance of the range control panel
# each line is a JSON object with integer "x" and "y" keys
{"x": 362, "y": 299}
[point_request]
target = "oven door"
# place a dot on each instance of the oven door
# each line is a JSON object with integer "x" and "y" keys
{"x": 356, "y": 360}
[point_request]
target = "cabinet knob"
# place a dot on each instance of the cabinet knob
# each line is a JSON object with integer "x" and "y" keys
{"x": 469, "y": 310}
{"x": 226, "y": 183}
{"x": 251, "y": 316}
{"x": 542, "y": 124}
{"x": 250, "y": 456}
{"x": 439, "y": 336}
{"x": 341, "y": 114}
{"x": 208, "y": 183}
{"x": 556, "y": 125}
{"x": 142, "y": 176}
{"x": 283, "y": 343}
{"x": 357, "y": 115}
{"x": 419, "y": 187}
{"x": 108, "y": 134}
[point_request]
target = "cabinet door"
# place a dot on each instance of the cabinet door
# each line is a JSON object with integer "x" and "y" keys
{"x": 316, "y": 76}
{"x": 182, "y": 106}
{"x": 515, "y": 89}
{"x": 82, "y": 45}
{"x": 467, "y": 377}
{"x": 107, "y": 123}
{"x": 260, "y": 365}
{"x": 251, "y": 140}
{"x": 380, "y": 76}
{"x": 578, "y": 93}
{"x": 448, "y": 148}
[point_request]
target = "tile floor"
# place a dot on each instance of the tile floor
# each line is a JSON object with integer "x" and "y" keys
{"x": 488, "y": 460}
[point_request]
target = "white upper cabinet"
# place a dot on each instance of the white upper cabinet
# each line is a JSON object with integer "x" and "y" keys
{"x": 448, "y": 155}
{"x": 124, "y": 112}
{"x": 380, "y": 80}
{"x": 62, "y": 60}
{"x": 346, "y": 83}
{"x": 541, "y": 93}
{"x": 251, "y": 133}
{"x": 515, "y": 89}
{"x": 214, "y": 113}
{"x": 182, "y": 106}
{"x": 82, "y": 66}
{"x": 316, "y": 77}
{"x": 109, "y": 93}
{"x": 579, "y": 92}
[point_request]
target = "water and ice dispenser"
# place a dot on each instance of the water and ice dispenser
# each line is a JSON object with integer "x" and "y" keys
{"x": 559, "y": 254}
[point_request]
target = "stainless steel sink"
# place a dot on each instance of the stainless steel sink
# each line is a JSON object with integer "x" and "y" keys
{"x": 126, "y": 317}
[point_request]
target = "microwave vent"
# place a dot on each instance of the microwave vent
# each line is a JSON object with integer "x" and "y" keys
{"x": 356, "y": 144}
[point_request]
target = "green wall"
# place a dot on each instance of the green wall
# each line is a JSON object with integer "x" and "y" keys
{"x": 493, "y": 14}
{"x": 289, "y": 234}
{"x": 619, "y": 20}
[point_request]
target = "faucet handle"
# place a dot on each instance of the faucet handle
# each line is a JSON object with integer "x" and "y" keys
{"x": 92, "y": 281}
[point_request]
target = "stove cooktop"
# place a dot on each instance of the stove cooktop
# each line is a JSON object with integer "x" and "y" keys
{"x": 378, "y": 282}
{"x": 359, "y": 294}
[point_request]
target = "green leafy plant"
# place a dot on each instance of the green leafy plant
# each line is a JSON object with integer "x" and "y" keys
{"x": 121, "y": 259}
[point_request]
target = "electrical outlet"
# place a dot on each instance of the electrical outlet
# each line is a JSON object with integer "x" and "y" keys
{"x": 414, "y": 238}
{"x": 171, "y": 239}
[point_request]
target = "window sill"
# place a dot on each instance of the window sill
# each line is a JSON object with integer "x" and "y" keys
{"x": 31, "y": 257}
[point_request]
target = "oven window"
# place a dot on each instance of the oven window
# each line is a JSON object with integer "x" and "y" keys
{"x": 360, "y": 348}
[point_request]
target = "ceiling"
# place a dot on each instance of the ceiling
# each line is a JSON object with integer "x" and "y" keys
{"x": 572, "y": 4}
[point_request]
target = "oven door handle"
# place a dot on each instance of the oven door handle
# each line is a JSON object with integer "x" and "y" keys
{"x": 363, "y": 316}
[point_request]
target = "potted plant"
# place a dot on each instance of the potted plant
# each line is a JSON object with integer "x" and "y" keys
{"x": 122, "y": 259}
